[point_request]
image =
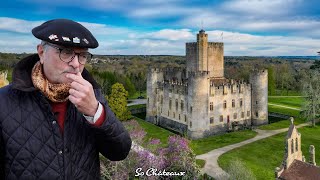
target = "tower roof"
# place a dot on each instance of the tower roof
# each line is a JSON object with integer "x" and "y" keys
{"x": 201, "y": 31}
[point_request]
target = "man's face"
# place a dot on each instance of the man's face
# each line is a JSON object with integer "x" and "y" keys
{"x": 54, "y": 68}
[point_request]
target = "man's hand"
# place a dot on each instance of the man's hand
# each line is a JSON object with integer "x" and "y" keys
{"x": 82, "y": 95}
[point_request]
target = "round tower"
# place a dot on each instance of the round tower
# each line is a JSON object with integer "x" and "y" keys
{"x": 153, "y": 77}
{"x": 198, "y": 92}
{"x": 259, "y": 97}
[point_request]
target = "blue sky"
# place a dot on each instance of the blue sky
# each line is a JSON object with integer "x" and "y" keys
{"x": 247, "y": 27}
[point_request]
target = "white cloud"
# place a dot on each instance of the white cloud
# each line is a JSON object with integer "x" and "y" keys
{"x": 172, "y": 34}
{"x": 17, "y": 25}
{"x": 117, "y": 40}
{"x": 261, "y": 7}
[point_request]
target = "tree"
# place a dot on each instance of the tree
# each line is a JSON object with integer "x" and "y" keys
{"x": 311, "y": 91}
{"x": 271, "y": 81}
{"x": 118, "y": 101}
{"x": 237, "y": 170}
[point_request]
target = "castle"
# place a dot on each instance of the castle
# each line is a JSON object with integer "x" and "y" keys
{"x": 198, "y": 100}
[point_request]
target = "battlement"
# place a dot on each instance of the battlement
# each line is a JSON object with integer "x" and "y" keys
{"x": 215, "y": 45}
{"x": 260, "y": 72}
{"x": 198, "y": 74}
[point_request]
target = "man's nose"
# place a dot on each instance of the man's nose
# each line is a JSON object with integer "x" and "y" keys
{"x": 75, "y": 61}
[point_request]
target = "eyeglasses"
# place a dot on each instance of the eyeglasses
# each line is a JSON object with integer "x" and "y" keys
{"x": 67, "y": 55}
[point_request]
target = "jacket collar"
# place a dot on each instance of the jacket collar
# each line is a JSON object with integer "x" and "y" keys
{"x": 21, "y": 76}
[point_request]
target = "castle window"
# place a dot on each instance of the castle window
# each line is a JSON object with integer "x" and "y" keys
{"x": 211, "y": 120}
{"x": 211, "y": 106}
{"x": 185, "y": 118}
{"x": 233, "y": 103}
{"x": 190, "y": 124}
{"x": 174, "y": 115}
{"x": 182, "y": 105}
{"x": 256, "y": 102}
{"x": 248, "y": 113}
{"x": 257, "y": 114}
{"x": 176, "y": 104}
{"x": 296, "y": 144}
{"x": 168, "y": 113}
{"x": 292, "y": 146}
{"x": 170, "y": 103}
{"x": 242, "y": 114}
{"x": 235, "y": 116}
{"x": 224, "y": 104}
{"x": 179, "y": 116}
{"x": 190, "y": 109}
{"x": 161, "y": 101}
{"x": 211, "y": 90}
{"x": 221, "y": 118}
{"x": 241, "y": 102}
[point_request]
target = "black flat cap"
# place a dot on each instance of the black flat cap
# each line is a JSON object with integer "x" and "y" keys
{"x": 65, "y": 32}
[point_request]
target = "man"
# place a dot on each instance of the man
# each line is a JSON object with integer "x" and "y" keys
{"x": 54, "y": 121}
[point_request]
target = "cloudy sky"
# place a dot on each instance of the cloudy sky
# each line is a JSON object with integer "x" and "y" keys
{"x": 247, "y": 27}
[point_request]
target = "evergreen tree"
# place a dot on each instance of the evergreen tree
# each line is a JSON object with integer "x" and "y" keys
{"x": 118, "y": 101}
{"x": 271, "y": 81}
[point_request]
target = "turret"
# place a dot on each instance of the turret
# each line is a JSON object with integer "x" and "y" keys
{"x": 259, "y": 97}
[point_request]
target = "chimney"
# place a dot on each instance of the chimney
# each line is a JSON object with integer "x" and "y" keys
{"x": 312, "y": 155}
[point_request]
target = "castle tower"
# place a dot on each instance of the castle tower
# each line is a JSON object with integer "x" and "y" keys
{"x": 198, "y": 100}
{"x": 259, "y": 97}
{"x": 202, "y": 51}
{"x": 205, "y": 56}
{"x": 154, "y": 76}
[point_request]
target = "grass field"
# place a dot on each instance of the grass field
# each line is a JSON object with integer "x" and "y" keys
{"x": 294, "y": 102}
{"x": 205, "y": 145}
{"x": 284, "y": 123}
{"x": 263, "y": 156}
{"x": 137, "y": 94}
{"x": 154, "y": 131}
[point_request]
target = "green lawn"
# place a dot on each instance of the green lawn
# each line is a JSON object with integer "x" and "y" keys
{"x": 200, "y": 162}
{"x": 263, "y": 156}
{"x": 282, "y": 110}
{"x": 138, "y": 106}
{"x": 284, "y": 123}
{"x": 294, "y": 102}
{"x": 205, "y": 145}
{"x": 137, "y": 94}
{"x": 155, "y": 132}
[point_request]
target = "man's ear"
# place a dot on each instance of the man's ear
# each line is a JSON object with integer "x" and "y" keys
{"x": 40, "y": 50}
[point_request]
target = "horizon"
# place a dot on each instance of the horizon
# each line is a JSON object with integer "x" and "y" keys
{"x": 247, "y": 28}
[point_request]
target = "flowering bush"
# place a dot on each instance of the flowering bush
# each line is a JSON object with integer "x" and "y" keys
{"x": 151, "y": 161}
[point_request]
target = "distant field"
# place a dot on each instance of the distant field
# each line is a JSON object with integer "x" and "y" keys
{"x": 263, "y": 156}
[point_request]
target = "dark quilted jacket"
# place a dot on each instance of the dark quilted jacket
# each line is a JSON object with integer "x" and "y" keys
{"x": 31, "y": 145}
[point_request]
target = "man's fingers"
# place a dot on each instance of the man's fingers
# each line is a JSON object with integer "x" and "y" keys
{"x": 76, "y": 93}
{"x": 75, "y": 77}
{"x": 77, "y": 86}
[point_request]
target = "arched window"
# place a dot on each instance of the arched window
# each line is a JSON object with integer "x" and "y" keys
{"x": 296, "y": 144}
{"x": 233, "y": 103}
{"x": 225, "y": 104}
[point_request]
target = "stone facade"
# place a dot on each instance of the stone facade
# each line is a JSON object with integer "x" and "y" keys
{"x": 199, "y": 101}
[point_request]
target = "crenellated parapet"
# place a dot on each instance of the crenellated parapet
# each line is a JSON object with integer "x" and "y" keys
{"x": 198, "y": 74}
